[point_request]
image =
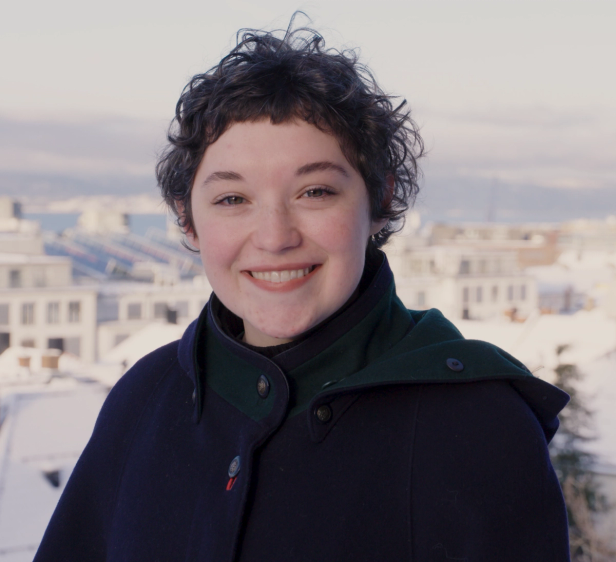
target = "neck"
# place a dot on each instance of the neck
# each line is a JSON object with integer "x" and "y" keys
{"x": 254, "y": 337}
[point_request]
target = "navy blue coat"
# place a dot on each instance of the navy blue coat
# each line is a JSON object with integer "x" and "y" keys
{"x": 385, "y": 435}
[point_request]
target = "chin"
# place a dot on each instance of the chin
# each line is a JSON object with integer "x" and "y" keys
{"x": 281, "y": 331}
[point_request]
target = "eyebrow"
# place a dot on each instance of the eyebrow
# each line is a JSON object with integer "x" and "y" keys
{"x": 222, "y": 176}
{"x": 321, "y": 167}
{"x": 302, "y": 171}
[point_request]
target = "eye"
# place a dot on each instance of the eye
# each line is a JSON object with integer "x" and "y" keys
{"x": 231, "y": 200}
{"x": 318, "y": 192}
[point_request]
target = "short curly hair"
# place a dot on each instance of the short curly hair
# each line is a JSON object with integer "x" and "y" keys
{"x": 283, "y": 76}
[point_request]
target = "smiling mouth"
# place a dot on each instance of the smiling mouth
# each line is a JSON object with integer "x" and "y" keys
{"x": 283, "y": 275}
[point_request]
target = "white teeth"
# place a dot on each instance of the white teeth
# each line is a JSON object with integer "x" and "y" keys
{"x": 281, "y": 276}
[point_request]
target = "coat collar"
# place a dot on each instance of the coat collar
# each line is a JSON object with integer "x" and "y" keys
{"x": 372, "y": 344}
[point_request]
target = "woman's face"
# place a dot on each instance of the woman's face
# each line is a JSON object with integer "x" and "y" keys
{"x": 281, "y": 220}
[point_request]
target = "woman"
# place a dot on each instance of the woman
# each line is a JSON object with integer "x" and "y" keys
{"x": 307, "y": 415}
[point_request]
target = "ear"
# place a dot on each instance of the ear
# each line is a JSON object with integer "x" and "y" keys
{"x": 387, "y": 198}
{"x": 191, "y": 237}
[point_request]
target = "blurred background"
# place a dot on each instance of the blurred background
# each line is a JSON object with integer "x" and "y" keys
{"x": 513, "y": 236}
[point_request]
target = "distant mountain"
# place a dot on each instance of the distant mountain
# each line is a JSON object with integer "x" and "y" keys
{"x": 478, "y": 199}
{"x": 46, "y": 187}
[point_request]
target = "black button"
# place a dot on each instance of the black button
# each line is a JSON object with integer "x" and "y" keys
{"x": 234, "y": 467}
{"x": 455, "y": 365}
{"x": 194, "y": 396}
{"x": 263, "y": 386}
{"x": 323, "y": 413}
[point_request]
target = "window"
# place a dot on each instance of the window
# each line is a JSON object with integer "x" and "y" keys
{"x": 14, "y": 278}
{"x": 494, "y": 293}
{"x": 522, "y": 292}
{"x": 479, "y": 294}
{"x": 55, "y": 343}
{"x": 74, "y": 311}
{"x": 510, "y": 292}
{"x": 27, "y": 313}
{"x": 5, "y": 341}
{"x": 465, "y": 294}
{"x": 465, "y": 267}
{"x": 421, "y": 298}
{"x": 4, "y": 313}
{"x": 483, "y": 266}
{"x": 134, "y": 311}
{"x": 160, "y": 310}
{"x": 53, "y": 313}
{"x": 27, "y": 343}
{"x": 73, "y": 345}
{"x": 182, "y": 308}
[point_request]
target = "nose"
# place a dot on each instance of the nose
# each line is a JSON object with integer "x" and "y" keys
{"x": 275, "y": 231}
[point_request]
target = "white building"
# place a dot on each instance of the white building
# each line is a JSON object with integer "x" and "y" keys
{"x": 40, "y": 308}
{"x": 103, "y": 221}
{"x": 126, "y": 308}
{"x": 468, "y": 282}
{"x": 18, "y": 236}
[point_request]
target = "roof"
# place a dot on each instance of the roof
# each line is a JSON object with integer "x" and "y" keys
{"x": 146, "y": 340}
{"x": 39, "y": 445}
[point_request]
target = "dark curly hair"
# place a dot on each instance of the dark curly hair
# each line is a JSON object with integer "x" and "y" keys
{"x": 291, "y": 75}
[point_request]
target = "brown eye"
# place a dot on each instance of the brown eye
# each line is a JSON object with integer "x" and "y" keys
{"x": 317, "y": 192}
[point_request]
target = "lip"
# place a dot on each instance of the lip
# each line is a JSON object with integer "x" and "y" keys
{"x": 285, "y": 286}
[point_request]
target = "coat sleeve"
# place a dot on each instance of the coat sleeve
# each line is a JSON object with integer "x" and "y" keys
{"x": 81, "y": 523}
{"x": 483, "y": 486}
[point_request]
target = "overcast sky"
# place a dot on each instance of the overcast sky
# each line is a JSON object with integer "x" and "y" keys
{"x": 522, "y": 91}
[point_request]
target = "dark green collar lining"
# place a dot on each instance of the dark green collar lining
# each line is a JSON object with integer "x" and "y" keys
{"x": 386, "y": 324}
{"x": 234, "y": 378}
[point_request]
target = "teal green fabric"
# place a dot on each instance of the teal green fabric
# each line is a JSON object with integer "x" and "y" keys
{"x": 234, "y": 379}
{"x": 383, "y": 327}
{"x": 384, "y": 348}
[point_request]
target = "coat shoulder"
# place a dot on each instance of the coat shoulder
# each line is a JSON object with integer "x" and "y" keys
{"x": 137, "y": 384}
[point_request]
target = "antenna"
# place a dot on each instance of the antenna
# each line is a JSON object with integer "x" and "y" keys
{"x": 492, "y": 201}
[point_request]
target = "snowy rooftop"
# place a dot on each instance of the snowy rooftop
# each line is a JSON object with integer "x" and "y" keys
{"x": 40, "y": 442}
{"x": 146, "y": 340}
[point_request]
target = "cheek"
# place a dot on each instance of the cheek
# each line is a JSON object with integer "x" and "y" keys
{"x": 345, "y": 233}
{"x": 218, "y": 246}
